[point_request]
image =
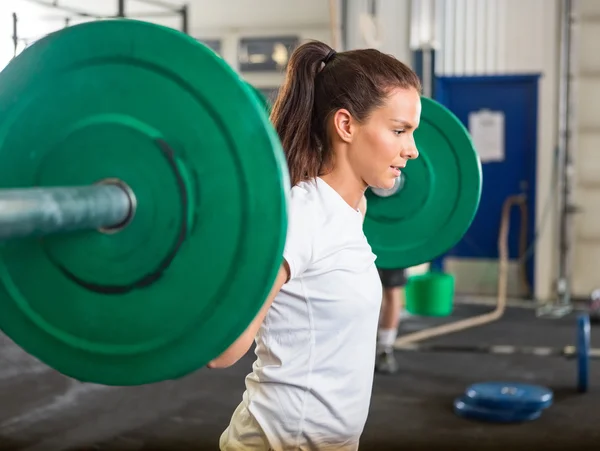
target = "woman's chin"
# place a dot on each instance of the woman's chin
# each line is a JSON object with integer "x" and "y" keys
{"x": 384, "y": 184}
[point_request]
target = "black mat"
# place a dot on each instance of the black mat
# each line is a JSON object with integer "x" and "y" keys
{"x": 42, "y": 410}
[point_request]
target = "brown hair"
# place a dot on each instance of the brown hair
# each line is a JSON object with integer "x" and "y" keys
{"x": 356, "y": 80}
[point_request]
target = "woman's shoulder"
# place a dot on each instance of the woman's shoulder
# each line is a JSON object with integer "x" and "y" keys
{"x": 304, "y": 197}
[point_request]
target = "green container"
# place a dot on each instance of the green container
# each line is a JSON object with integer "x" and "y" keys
{"x": 430, "y": 294}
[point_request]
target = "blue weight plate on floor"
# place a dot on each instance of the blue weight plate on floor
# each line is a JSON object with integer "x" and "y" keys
{"x": 583, "y": 352}
{"x": 509, "y": 396}
{"x": 463, "y": 408}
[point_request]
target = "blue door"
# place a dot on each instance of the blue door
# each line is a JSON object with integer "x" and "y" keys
{"x": 517, "y": 98}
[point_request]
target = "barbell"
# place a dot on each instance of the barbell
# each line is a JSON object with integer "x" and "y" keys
{"x": 581, "y": 352}
{"x": 143, "y": 202}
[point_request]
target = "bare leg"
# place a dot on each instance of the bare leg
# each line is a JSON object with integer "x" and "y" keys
{"x": 389, "y": 318}
{"x": 388, "y": 329}
{"x": 393, "y": 281}
{"x": 393, "y": 299}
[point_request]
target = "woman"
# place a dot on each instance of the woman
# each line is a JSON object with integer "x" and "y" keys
{"x": 346, "y": 122}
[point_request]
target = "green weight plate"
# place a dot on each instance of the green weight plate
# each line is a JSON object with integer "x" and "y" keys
{"x": 438, "y": 196}
{"x": 152, "y": 107}
{"x": 261, "y": 98}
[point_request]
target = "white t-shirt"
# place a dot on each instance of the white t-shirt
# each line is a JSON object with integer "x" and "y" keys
{"x": 311, "y": 384}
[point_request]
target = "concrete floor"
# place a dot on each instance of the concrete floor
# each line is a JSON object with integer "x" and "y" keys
{"x": 45, "y": 411}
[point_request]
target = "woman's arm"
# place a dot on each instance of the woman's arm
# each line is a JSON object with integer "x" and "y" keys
{"x": 240, "y": 347}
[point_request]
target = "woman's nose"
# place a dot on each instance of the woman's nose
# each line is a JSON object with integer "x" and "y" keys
{"x": 410, "y": 153}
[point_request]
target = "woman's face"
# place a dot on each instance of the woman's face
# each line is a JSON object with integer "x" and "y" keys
{"x": 383, "y": 143}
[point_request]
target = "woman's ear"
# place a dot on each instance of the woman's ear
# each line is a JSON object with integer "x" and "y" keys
{"x": 343, "y": 125}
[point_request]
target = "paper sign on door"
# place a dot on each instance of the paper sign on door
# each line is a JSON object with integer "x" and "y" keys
{"x": 487, "y": 132}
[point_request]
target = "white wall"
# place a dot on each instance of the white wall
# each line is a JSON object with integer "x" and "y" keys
{"x": 586, "y": 251}
{"x": 509, "y": 37}
{"x": 389, "y": 32}
{"x": 530, "y": 37}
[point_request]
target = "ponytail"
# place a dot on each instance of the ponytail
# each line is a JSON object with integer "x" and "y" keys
{"x": 293, "y": 112}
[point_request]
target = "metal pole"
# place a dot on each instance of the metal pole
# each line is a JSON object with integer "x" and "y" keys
{"x": 162, "y": 4}
{"x": 562, "y": 305}
{"x": 67, "y": 9}
{"x": 120, "y": 8}
{"x": 569, "y": 351}
{"x": 151, "y": 14}
{"x": 566, "y": 210}
{"x": 42, "y": 211}
{"x": 344, "y": 18}
{"x": 15, "y": 36}
{"x": 185, "y": 12}
{"x": 427, "y": 76}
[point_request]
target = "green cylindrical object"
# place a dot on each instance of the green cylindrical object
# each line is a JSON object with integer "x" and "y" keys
{"x": 430, "y": 294}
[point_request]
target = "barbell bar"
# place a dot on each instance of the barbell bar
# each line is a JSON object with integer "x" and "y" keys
{"x": 581, "y": 352}
{"x": 569, "y": 351}
{"x": 41, "y": 211}
{"x": 144, "y": 189}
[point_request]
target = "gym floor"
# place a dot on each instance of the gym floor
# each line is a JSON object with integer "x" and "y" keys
{"x": 45, "y": 411}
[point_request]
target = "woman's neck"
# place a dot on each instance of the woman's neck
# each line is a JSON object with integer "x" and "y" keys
{"x": 348, "y": 186}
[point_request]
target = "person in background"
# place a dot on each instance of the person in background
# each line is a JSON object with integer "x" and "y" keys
{"x": 393, "y": 282}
